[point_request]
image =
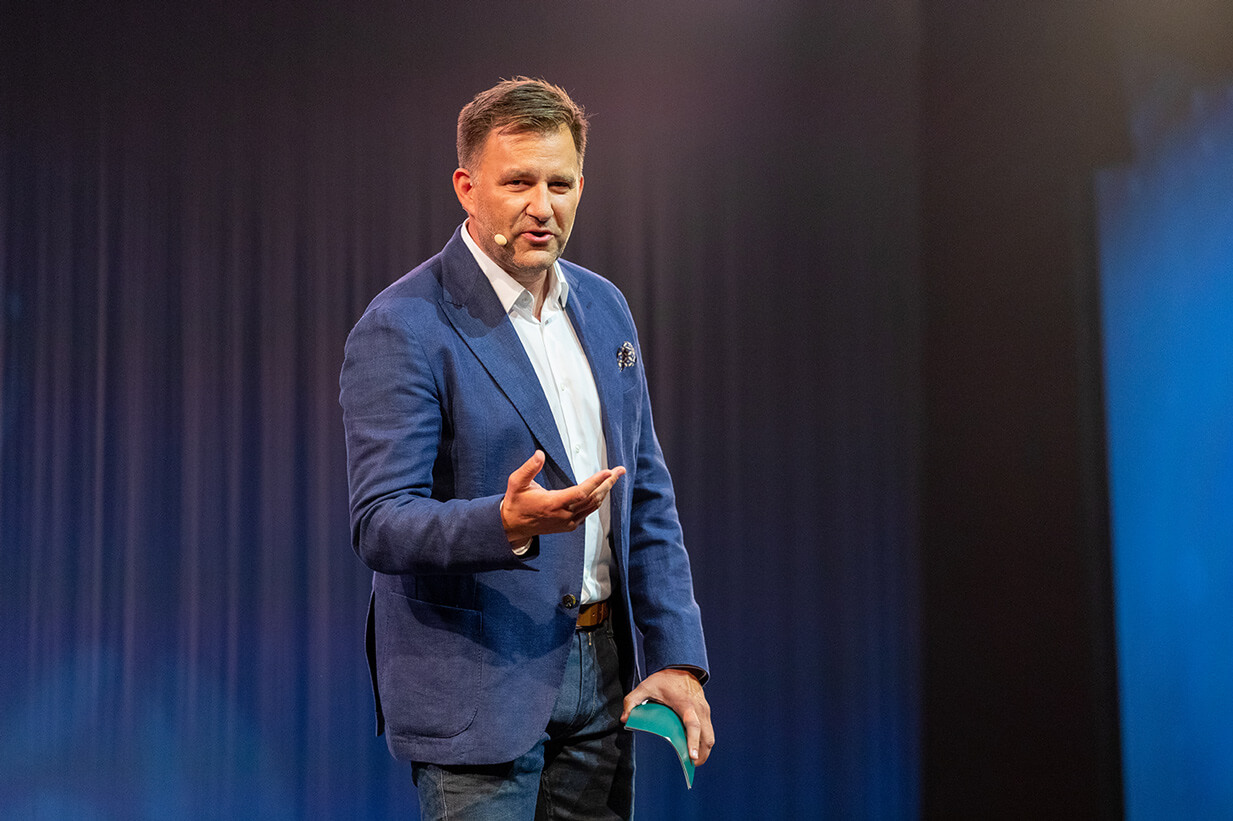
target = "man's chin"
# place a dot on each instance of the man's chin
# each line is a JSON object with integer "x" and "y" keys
{"x": 536, "y": 259}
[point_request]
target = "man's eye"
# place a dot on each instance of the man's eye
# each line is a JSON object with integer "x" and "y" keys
{"x": 561, "y": 187}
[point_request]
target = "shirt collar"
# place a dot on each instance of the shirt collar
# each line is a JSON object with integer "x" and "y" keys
{"x": 509, "y": 289}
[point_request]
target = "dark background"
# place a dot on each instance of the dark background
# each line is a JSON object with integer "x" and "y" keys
{"x": 857, "y": 239}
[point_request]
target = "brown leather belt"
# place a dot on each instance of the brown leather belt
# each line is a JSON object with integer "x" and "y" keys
{"x": 592, "y": 615}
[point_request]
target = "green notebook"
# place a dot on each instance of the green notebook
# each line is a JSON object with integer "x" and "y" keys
{"x": 660, "y": 720}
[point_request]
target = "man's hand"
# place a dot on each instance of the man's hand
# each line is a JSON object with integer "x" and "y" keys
{"x": 680, "y": 690}
{"x": 529, "y": 510}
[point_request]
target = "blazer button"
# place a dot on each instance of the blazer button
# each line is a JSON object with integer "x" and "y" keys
{"x": 570, "y": 601}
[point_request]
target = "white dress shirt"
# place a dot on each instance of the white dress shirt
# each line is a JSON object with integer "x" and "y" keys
{"x": 565, "y": 376}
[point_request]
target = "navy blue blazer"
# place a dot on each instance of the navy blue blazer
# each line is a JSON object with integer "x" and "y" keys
{"x": 467, "y": 642}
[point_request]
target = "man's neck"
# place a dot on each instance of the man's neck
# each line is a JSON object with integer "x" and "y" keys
{"x": 537, "y": 285}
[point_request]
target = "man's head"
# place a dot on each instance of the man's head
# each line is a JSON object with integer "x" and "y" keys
{"x": 514, "y": 106}
{"x": 520, "y": 147}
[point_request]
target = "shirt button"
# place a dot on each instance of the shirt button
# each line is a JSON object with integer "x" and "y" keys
{"x": 570, "y": 601}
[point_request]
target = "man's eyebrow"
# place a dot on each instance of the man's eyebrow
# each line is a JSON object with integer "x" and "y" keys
{"x": 523, "y": 173}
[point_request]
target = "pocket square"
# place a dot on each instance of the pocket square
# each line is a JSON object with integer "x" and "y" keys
{"x": 626, "y": 356}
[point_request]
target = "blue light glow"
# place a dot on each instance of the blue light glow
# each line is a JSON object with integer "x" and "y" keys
{"x": 1166, "y": 243}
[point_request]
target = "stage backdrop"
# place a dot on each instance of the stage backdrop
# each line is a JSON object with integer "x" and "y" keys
{"x": 196, "y": 203}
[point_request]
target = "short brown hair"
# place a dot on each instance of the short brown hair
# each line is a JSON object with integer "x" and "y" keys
{"x": 520, "y": 104}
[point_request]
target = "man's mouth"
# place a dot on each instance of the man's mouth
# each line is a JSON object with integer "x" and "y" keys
{"x": 537, "y": 235}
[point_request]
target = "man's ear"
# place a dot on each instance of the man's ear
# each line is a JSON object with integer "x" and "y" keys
{"x": 462, "y": 188}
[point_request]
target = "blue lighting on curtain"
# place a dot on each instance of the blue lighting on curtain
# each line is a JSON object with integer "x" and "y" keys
{"x": 1167, "y": 250}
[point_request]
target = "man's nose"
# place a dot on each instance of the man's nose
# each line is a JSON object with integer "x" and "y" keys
{"x": 539, "y": 203}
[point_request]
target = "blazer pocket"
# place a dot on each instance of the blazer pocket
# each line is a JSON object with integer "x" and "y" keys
{"x": 428, "y": 665}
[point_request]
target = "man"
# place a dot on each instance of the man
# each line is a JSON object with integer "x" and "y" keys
{"x": 509, "y": 493}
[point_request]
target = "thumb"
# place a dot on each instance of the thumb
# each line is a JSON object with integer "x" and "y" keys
{"x": 526, "y": 473}
{"x": 631, "y": 701}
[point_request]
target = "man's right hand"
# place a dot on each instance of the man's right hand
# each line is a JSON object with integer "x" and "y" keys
{"x": 529, "y": 510}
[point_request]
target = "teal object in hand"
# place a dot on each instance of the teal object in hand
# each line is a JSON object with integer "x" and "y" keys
{"x": 660, "y": 720}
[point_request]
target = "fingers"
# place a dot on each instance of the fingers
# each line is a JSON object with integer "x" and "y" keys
{"x": 585, "y": 498}
{"x": 631, "y": 701}
{"x": 526, "y": 473}
{"x": 600, "y": 493}
{"x": 589, "y": 495}
{"x": 693, "y": 732}
{"x": 681, "y": 691}
{"x": 707, "y": 740}
{"x": 529, "y": 510}
{"x": 601, "y": 481}
{"x": 699, "y": 734}
{"x": 700, "y": 747}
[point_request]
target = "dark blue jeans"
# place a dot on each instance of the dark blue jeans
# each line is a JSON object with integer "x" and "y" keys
{"x": 582, "y": 768}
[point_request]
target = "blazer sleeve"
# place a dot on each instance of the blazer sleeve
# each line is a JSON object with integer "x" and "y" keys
{"x": 391, "y": 396}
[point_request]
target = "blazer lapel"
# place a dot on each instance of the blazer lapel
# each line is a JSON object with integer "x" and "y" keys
{"x": 473, "y": 309}
{"x": 596, "y": 331}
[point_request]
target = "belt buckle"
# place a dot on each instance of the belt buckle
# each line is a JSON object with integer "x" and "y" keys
{"x": 592, "y": 615}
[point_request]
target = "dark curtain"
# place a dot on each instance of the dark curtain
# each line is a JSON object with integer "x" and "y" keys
{"x": 196, "y": 204}
{"x": 1020, "y": 102}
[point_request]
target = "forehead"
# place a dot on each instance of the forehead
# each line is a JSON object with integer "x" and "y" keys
{"x": 543, "y": 150}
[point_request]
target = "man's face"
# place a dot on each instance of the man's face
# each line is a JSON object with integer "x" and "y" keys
{"x": 525, "y": 186}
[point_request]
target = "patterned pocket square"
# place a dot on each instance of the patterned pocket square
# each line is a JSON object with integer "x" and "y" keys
{"x": 626, "y": 356}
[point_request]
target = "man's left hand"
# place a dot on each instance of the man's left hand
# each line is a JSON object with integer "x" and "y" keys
{"x": 680, "y": 690}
